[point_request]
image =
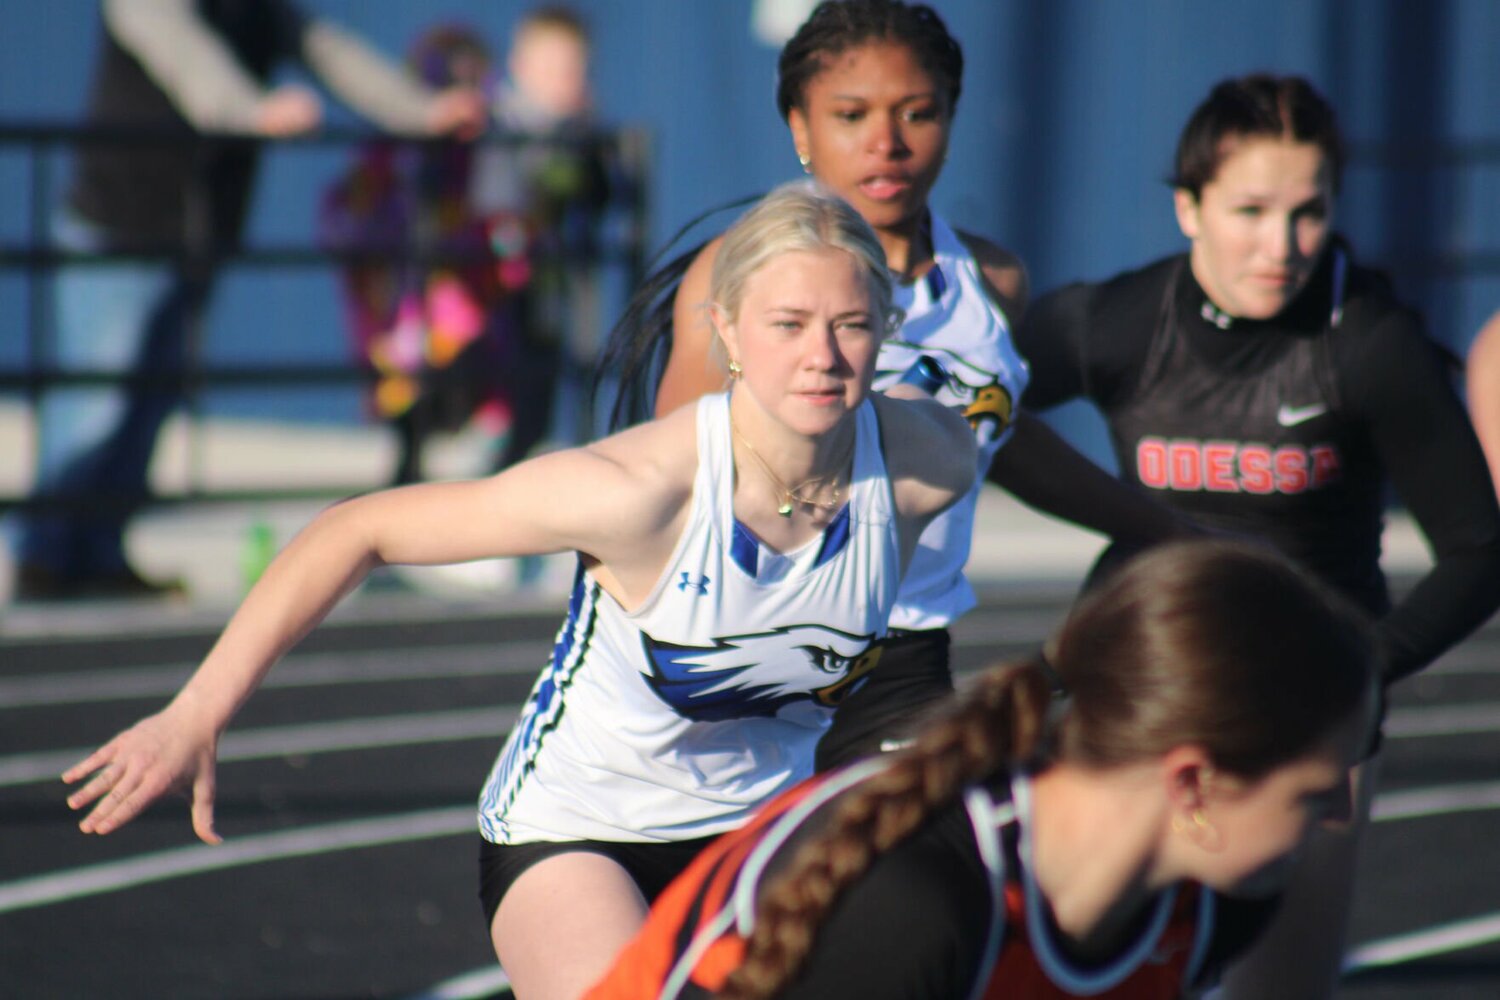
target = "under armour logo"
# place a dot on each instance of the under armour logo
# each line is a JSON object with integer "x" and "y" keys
{"x": 700, "y": 584}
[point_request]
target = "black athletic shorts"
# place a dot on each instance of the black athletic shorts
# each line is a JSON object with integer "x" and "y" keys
{"x": 911, "y": 676}
{"x": 652, "y": 865}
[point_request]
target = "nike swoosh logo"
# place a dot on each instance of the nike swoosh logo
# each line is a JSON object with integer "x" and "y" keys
{"x": 1291, "y": 416}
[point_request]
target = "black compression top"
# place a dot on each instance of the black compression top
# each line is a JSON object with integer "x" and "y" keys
{"x": 1287, "y": 429}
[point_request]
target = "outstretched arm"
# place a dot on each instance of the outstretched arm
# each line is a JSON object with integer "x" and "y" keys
{"x": 623, "y": 514}
{"x": 192, "y": 64}
{"x": 1047, "y": 474}
{"x": 383, "y": 91}
{"x": 175, "y": 749}
{"x": 1036, "y": 464}
{"x": 1395, "y": 379}
{"x": 199, "y": 72}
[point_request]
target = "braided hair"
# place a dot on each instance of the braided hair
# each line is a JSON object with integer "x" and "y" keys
{"x": 1219, "y": 644}
{"x": 999, "y": 721}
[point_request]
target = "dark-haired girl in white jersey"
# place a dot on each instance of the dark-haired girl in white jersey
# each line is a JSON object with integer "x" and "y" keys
{"x": 868, "y": 89}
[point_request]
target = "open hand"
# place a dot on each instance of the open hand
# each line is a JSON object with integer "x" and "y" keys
{"x": 159, "y": 754}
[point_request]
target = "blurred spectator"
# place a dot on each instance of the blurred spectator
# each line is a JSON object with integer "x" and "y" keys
{"x": 195, "y": 66}
{"x": 488, "y": 316}
{"x": 545, "y": 198}
{"x": 432, "y": 331}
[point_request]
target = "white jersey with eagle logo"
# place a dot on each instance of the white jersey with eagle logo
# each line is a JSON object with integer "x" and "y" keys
{"x": 679, "y": 718}
{"x": 951, "y": 317}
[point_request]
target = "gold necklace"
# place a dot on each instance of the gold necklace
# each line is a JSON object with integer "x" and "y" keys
{"x": 791, "y": 493}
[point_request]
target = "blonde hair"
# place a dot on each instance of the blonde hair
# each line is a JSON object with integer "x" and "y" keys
{"x": 800, "y": 215}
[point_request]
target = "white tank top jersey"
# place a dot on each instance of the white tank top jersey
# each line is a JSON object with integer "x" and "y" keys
{"x": 950, "y": 317}
{"x": 677, "y": 719}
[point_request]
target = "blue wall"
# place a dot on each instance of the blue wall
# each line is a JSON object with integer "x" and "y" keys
{"x": 1070, "y": 112}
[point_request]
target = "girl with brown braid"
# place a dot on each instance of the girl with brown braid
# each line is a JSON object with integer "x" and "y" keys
{"x": 1027, "y": 846}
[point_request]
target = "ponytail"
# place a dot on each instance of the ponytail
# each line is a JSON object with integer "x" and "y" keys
{"x": 1001, "y": 720}
{"x": 636, "y": 352}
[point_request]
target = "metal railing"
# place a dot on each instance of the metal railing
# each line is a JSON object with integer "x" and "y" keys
{"x": 37, "y": 256}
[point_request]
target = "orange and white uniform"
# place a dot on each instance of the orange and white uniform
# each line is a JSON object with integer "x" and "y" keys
{"x": 952, "y": 911}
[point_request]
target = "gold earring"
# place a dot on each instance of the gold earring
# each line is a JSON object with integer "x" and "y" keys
{"x": 1200, "y": 830}
{"x": 735, "y": 371}
{"x": 1206, "y": 834}
{"x": 805, "y": 160}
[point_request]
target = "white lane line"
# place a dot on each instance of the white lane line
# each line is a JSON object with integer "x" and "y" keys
{"x": 418, "y": 663}
{"x": 474, "y": 985}
{"x": 1438, "y": 940}
{"x": 399, "y": 664}
{"x": 97, "y": 879}
{"x": 1417, "y": 803}
{"x": 77, "y": 883}
{"x": 1443, "y": 720}
{"x": 487, "y": 722}
{"x": 496, "y": 720}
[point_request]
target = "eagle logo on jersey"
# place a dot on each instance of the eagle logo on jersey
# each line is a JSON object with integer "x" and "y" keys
{"x": 992, "y": 407}
{"x": 971, "y": 390}
{"x": 744, "y": 676}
